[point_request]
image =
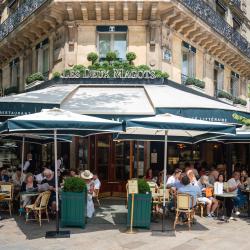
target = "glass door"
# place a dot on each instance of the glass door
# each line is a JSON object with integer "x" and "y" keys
{"x": 103, "y": 156}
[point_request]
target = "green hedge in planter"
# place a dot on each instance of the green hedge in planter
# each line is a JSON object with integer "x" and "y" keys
{"x": 34, "y": 77}
{"x": 196, "y": 82}
{"x": 142, "y": 206}
{"x": 74, "y": 202}
{"x": 238, "y": 100}
{"x": 11, "y": 90}
{"x": 224, "y": 94}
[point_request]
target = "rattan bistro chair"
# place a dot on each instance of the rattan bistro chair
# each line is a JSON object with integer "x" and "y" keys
{"x": 185, "y": 204}
{"x": 40, "y": 205}
{"x": 8, "y": 197}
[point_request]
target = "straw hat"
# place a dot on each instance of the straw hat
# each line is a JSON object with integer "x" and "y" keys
{"x": 86, "y": 174}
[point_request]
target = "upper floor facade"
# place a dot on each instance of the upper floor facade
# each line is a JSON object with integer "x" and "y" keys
{"x": 203, "y": 39}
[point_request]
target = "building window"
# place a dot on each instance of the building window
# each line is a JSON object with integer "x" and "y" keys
{"x": 236, "y": 23}
{"x": 112, "y": 38}
{"x": 234, "y": 84}
{"x": 188, "y": 61}
{"x": 42, "y": 56}
{"x": 218, "y": 77}
{"x": 221, "y": 9}
{"x": 14, "y": 73}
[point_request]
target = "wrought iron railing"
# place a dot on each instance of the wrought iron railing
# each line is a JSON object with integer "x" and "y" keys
{"x": 209, "y": 15}
{"x": 25, "y": 10}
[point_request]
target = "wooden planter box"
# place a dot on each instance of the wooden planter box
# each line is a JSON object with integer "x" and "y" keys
{"x": 73, "y": 209}
{"x": 142, "y": 210}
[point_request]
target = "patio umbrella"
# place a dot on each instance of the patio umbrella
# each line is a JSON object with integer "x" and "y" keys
{"x": 171, "y": 125}
{"x": 242, "y": 136}
{"x": 57, "y": 121}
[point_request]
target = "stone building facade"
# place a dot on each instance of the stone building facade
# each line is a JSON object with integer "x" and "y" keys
{"x": 205, "y": 39}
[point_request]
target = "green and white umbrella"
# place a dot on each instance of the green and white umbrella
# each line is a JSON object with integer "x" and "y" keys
{"x": 166, "y": 125}
{"x": 57, "y": 121}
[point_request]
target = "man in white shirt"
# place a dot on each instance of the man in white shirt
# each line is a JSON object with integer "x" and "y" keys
{"x": 233, "y": 186}
{"x": 174, "y": 179}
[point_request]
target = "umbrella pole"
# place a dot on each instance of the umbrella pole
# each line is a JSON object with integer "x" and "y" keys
{"x": 22, "y": 156}
{"x": 57, "y": 233}
{"x": 165, "y": 179}
{"x": 56, "y": 181}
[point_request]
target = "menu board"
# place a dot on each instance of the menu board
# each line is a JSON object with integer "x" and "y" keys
{"x": 132, "y": 187}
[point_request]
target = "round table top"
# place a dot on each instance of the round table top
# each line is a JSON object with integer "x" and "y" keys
{"x": 226, "y": 195}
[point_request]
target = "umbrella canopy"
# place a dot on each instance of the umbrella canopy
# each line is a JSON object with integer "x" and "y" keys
{"x": 65, "y": 122}
{"x": 165, "y": 125}
{"x": 242, "y": 136}
{"x": 180, "y": 129}
{"x": 52, "y": 121}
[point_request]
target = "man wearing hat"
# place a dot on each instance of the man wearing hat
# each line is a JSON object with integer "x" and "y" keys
{"x": 88, "y": 176}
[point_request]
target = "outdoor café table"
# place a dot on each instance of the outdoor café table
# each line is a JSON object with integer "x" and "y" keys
{"x": 225, "y": 196}
{"x": 27, "y": 194}
{"x": 247, "y": 192}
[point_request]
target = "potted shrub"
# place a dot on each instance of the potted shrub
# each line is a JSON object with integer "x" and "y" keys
{"x": 225, "y": 96}
{"x": 56, "y": 75}
{"x": 74, "y": 202}
{"x": 92, "y": 57}
{"x": 131, "y": 56}
{"x": 111, "y": 56}
{"x": 11, "y": 90}
{"x": 240, "y": 102}
{"x": 195, "y": 84}
{"x": 142, "y": 206}
{"x": 38, "y": 76}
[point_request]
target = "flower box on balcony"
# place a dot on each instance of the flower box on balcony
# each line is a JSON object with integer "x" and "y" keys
{"x": 225, "y": 97}
{"x": 195, "y": 84}
{"x": 240, "y": 103}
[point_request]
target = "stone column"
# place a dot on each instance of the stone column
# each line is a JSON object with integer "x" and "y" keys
{"x": 34, "y": 67}
{"x": 21, "y": 74}
{"x": 51, "y": 53}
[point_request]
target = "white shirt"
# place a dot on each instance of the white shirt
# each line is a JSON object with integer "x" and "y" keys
{"x": 97, "y": 184}
{"x": 26, "y": 165}
{"x": 232, "y": 183}
{"x": 39, "y": 178}
{"x": 172, "y": 181}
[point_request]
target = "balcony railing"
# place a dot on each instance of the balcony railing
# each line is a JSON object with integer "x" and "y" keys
{"x": 208, "y": 15}
{"x": 25, "y": 10}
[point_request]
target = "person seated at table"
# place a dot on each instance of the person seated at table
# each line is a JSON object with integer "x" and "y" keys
{"x": 50, "y": 180}
{"x": 160, "y": 179}
{"x": 213, "y": 176}
{"x": 192, "y": 177}
{"x": 29, "y": 185}
{"x": 210, "y": 202}
{"x": 39, "y": 177}
{"x": 73, "y": 173}
{"x": 174, "y": 179}
{"x": 17, "y": 179}
{"x": 233, "y": 187}
{"x": 87, "y": 176}
{"x": 4, "y": 176}
{"x": 190, "y": 189}
{"x": 149, "y": 175}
